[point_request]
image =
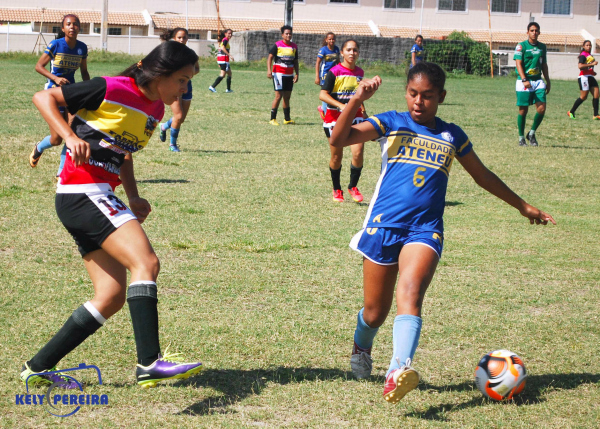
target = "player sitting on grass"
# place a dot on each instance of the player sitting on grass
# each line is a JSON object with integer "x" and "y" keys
{"x": 116, "y": 117}
{"x": 402, "y": 236}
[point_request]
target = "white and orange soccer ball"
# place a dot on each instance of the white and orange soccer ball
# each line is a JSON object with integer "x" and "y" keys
{"x": 500, "y": 375}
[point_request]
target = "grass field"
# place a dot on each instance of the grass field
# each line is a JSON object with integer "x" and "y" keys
{"x": 258, "y": 282}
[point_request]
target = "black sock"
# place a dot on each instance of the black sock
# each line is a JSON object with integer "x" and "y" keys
{"x": 576, "y": 105}
{"x": 286, "y": 113}
{"x": 354, "y": 176}
{"x": 229, "y": 82}
{"x": 273, "y": 113}
{"x": 335, "y": 178}
{"x": 217, "y": 81}
{"x": 595, "y": 104}
{"x": 80, "y": 325}
{"x": 142, "y": 301}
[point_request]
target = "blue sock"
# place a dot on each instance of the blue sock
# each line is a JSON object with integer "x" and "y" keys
{"x": 63, "y": 157}
{"x": 364, "y": 334}
{"x": 174, "y": 135}
{"x": 44, "y": 144}
{"x": 407, "y": 330}
{"x": 167, "y": 125}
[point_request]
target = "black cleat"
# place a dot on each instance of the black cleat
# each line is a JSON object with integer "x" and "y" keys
{"x": 532, "y": 140}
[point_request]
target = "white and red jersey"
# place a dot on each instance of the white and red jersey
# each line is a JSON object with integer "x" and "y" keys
{"x": 222, "y": 56}
{"x": 115, "y": 118}
{"x": 285, "y": 57}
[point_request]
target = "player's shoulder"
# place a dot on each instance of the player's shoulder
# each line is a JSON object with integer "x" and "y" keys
{"x": 451, "y": 132}
{"x": 359, "y": 72}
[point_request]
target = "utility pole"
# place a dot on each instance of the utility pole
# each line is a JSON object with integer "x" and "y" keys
{"x": 289, "y": 13}
{"x": 104, "y": 26}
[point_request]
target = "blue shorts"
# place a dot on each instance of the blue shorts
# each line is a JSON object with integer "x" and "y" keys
{"x": 188, "y": 95}
{"x": 383, "y": 245}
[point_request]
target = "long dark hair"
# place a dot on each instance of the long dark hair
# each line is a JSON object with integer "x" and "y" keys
{"x": 222, "y": 34}
{"x": 169, "y": 34}
{"x": 164, "y": 60}
{"x": 331, "y": 33}
{"x": 61, "y": 33}
{"x": 583, "y": 44}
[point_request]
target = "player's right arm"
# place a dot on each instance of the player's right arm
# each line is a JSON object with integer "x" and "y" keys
{"x": 270, "y": 66}
{"x": 47, "y": 102}
{"x": 346, "y": 134}
{"x": 138, "y": 205}
{"x": 317, "y": 68}
{"x": 583, "y": 65}
{"x": 521, "y": 73}
{"x": 40, "y": 67}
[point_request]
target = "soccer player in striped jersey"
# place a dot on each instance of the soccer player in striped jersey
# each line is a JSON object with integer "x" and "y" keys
{"x": 328, "y": 56}
{"x": 114, "y": 117}
{"x": 223, "y": 58}
{"x": 339, "y": 86}
{"x": 587, "y": 81}
{"x": 402, "y": 237}
{"x": 282, "y": 67}
{"x": 65, "y": 54}
{"x": 181, "y": 107}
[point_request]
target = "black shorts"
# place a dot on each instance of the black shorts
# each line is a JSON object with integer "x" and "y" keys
{"x": 224, "y": 66}
{"x": 91, "y": 218}
{"x": 283, "y": 83}
{"x": 587, "y": 82}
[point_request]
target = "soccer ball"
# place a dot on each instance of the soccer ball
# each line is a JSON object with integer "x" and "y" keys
{"x": 500, "y": 375}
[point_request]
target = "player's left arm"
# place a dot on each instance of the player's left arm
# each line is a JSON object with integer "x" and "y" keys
{"x": 546, "y": 74}
{"x": 139, "y": 206}
{"x": 492, "y": 183}
{"x": 296, "y": 69}
{"x": 85, "y": 75}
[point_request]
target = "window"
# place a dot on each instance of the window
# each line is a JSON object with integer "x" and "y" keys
{"x": 505, "y": 6}
{"x": 344, "y": 1}
{"x": 194, "y": 36}
{"x": 96, "y": 30}
{"x": 398, "y": 4}
{"x": 557, "y": 7}
{"x": 295, "y": 1}
{"x": 453, "y": 5}
{"x": 114, "y": 31}
{"x": 56, "y": 29}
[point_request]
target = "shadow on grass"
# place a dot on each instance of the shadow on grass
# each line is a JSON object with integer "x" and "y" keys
{"x": 163, "y": 181}
{"x": 239, "y": 152}
{"x": 556, "y": 146}
{"x": 236, "y": 385}
{"x": 453, "y": 203}
{"x": 535, "y": 390}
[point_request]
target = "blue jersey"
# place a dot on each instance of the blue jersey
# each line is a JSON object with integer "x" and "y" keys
{"x": 416, "y": 161}
{"x": 329, "y": 58}
{"x": 418, "y": 50}
{"x": 64, "y": 60}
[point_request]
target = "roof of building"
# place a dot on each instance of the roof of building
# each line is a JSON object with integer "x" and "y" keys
{"x": 56, "y": 16}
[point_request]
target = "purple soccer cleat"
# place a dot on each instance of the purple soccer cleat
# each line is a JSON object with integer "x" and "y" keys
{"x": 41, "y": 378}
{"x": 167, "y": 367}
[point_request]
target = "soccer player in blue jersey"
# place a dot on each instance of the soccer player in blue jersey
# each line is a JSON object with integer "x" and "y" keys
{"x": 66, "y": 54}
{"x": 402, "y": 236}
{"x": 328, "y": 56}
{"x": 417, "y": 52}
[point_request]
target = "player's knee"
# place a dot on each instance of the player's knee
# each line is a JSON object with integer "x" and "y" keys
{"x": 374, "y": 316}
{"x": 56, "y": 141}
{"x": 149, "y": 266}
{"x": 584, "y": 97}
{"x": 541, "y": 109}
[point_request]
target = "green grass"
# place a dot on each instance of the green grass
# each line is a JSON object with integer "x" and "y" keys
{"x": 258, "y": 282}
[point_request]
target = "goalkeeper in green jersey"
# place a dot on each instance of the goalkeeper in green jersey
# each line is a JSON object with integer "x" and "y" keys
{"x": 530, "y": 57}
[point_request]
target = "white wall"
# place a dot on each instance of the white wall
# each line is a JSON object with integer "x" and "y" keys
{"x": 136, "y": 45}
{"x": 561, "y": 66}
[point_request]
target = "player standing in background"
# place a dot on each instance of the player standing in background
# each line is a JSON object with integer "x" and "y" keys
{"x": 530, "y": 57}
{"x": 587, "y": 81}
{"x": 402, "y": 236}
{"x": 223, "y": 57}
{"x": 65, "y": 54}
{"x": 416, "y": 52}
{"x": 180, "y": 107}
{"x": 116, "y": 116}
{"x": 282, "y": 62}
{"x": 328, "y": 56}
{"x": 339, "y": 86}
